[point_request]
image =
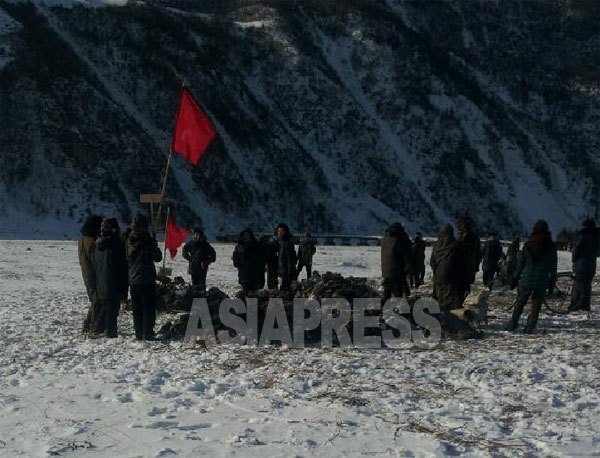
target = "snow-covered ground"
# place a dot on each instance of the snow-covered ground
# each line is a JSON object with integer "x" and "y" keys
{"x": 62, "y": 395}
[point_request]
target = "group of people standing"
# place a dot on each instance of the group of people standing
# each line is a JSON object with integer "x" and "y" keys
{"x": 274, "y": 256}
{"x": 455, "y": 262}
{"x": 113, "y": 264}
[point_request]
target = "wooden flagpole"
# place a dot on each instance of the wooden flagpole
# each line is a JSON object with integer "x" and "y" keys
{"x": 166, "y": 228}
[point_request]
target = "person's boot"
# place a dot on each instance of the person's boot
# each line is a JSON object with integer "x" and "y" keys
{"x": 512, "y": 326}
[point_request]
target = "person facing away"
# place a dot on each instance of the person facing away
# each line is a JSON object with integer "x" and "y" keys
{"x": 306, "y": 251}
{"x": 396, "y": 257}
{"x": 272, "y": 261}
{"x": 586, "y": 248}
{"x": 417, "y": 274}
{"x": 512, "y": 258}
{"x": 286, "y": 257}
{"x": 447, "y": 290}
{"x": 110, "y": 265}
{"x": 468, "y": 254}
{"x": 142, "y": 253}
{"x": 85, "y": 251}
{"x": 492, "y": 253}
{"x": 248, "y": 258}
{"x": 200, "y": 254}
{"x": 535, "y": 274}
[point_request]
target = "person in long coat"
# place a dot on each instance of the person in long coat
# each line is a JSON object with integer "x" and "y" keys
{"x": 447, "y": 289}
{"x": 286, "y": 257}
{"x": 396, "y": 261}
{"x": 248, "y": 258}
{"x": 535, "y": 274}
{"x": 142, "y": 253}
{"x": 586, "y": 249}
{"x": 417, "y": 276}
{"x": 110, "y": 265}
{"x": 85, "y": 251}
{"x": 492, "y": 254}
{"x": 469, "y": 254}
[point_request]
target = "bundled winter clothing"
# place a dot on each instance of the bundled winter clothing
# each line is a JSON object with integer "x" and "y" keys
{"x": 512, "y": 258}
{"x": 200, "y": 255}
{"x": 270, "y": 247}
{"x": 417, "y": 276}
{"x": 396, "y": 261}
{"x": 468, "y": 254}
{"x": 306, "y": 251}
{"x": 110, "y": 265}
{"x": 586, "y": 249}
{"x": 492, "y": 253}
{"x": 85, "y": 250}
{"x": 248, "y": 258}
{"x": 535, "y": 274}
{"x": 447, "y": 289}
{"x": 142, "y": 253}
{"x": 286, "y": 257}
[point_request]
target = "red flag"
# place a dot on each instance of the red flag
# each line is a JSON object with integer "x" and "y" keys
{"x": 175, "y": 237}
{"x": 193, "y": 130}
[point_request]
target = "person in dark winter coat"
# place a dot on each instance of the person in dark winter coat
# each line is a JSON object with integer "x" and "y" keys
{"x": 142, "y": 253}
{"x": 248, "y": 258}
{"x": 286, "y": 257}
{"x": 200, "y": 255}
{"x": 271, "y": 256}
{"x": 110, "y": 265}
{"x": 306, "y": 251}
{"x": 85, "y": 250}
{"x": 468, "y": 254}
{"x": 492, "y": 253}
{"x": 396, "y": 260}
{"x": 535, "y": 274}
{"x": 417, "y": 274}
{"x": 586, "y": 249}
{"x": 446, "y": 287}
{"x": 512, "y": 258}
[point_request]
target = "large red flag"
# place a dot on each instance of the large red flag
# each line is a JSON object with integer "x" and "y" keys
{"x": 175, "y": 237}
{"x": 193, "y": 130}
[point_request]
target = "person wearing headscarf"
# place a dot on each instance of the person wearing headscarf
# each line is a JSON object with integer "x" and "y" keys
{"x": 586, "y": 248}
{"x": 446, "y": 287}
{"x": 535, "y": 274}
{"x": 85, "y": 251}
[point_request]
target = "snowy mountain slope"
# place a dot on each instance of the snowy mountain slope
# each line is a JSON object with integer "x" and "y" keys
{"x": 334, "y": 117}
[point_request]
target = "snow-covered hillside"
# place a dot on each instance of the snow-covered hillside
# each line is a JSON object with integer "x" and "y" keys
{"x": 60, "y": 395}
{"x": 333, "y": 116}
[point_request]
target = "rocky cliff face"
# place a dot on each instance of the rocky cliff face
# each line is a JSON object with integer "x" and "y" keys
{"x": 333, "y": 116}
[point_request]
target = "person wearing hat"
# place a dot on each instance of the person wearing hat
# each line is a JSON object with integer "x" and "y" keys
{"x": 535, "y": 274}
{"x": 586, "y": 249}
{"x": 85, "y": 251}
{"x": 142, "y": 253}
{"x": 200, "y": 254}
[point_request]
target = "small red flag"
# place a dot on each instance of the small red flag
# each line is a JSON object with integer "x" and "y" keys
{"x": 175, "y": 237}
{"x": 193, "y": 130}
